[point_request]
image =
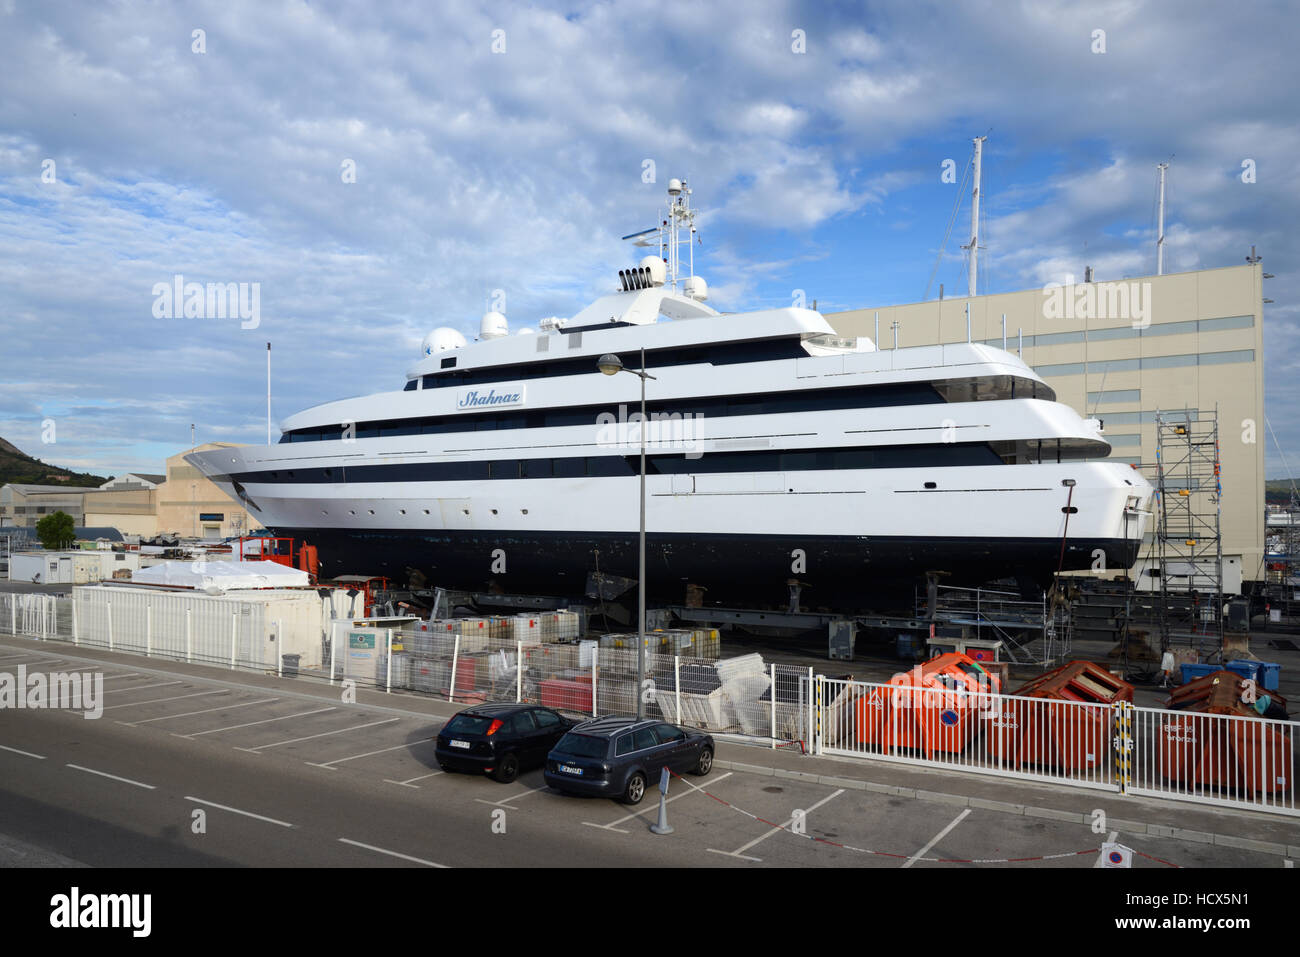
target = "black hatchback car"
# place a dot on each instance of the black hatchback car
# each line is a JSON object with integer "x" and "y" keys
{"x": 500, "y": 739}
{"x": 620, "y": 757}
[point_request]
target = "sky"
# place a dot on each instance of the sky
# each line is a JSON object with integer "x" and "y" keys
{"x": 378, "y": 170}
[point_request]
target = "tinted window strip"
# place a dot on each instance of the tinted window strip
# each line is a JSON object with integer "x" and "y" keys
{"x": 719, "y": 354}
{"x": 818, "y": 400}
{"x": 937, "y": 455}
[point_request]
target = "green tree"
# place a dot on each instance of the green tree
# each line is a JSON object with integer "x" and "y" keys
{"x": 55, "y": 530}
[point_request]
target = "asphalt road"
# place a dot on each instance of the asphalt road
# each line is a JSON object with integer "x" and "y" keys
{"x": 197, "y": 767}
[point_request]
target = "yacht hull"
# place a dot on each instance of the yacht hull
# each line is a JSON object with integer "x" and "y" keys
{"x": 844, "y": 572}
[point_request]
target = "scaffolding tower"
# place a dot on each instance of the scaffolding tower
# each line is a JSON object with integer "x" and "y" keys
{"x": 1189, "y": 489}
{"x": 1282, "y": 534}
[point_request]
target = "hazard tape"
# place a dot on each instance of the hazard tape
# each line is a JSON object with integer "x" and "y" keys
{"x": 901, "y": 857}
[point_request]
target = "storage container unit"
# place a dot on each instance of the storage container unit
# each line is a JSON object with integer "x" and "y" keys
{"x": 1074, "y": 734}
{"x": 933, "y": 707}
{"x": 1219, "y": 741}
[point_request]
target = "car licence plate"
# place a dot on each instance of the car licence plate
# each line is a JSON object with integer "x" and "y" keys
{"x": 568, "y": 770}
{"x": 460, "y": 744}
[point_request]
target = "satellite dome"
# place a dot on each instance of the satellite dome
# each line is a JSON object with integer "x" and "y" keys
{"x": 658, "y": 270}
{"x": 442, "y": 339}
{"x": 674, "y": 187}
{"x": 493, "y": 326}
{"x": 696, "y": 288}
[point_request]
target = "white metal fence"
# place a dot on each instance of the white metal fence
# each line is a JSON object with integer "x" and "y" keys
{"x": 465, "y": 663}
{"x": 1214, "y": 759}
{"x": 1208, "y": 758}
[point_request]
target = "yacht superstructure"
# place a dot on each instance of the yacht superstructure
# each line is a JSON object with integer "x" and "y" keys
{"x": 776, "y": 450}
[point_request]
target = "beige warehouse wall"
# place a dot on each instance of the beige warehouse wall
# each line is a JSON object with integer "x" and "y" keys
{"x": 187, "y": 494}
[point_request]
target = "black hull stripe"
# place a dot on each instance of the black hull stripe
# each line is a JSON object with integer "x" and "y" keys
{"x": 841, "y": 571}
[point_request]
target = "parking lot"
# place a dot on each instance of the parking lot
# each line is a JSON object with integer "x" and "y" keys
{"x": 284, "y": 759}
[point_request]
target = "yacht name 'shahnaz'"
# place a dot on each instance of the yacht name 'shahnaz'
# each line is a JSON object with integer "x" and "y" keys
{"x": 475, "y": 399}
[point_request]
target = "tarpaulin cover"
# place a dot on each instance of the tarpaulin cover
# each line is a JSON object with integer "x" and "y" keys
{"x": 221, "y": 576}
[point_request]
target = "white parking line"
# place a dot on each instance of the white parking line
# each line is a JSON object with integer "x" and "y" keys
{"x": 190, "y": 714}
{"x": 380, "y": 850}
{"x": 330, "y": 764}
{"x": 504, "y": 802}
{"x": 142, "y": 687}
{"x": 1101, "y": 858}
{"x": 937, "y": 838}
{"x": 323, "y": 734}
{"x": 136, "y": 704}
{"x": 129, "y": 674}
{"x": 407, "y": 783}
{"x": 235, "y": 810}
{"x": 39, "y": 757}
{"x": 612, "y": 825}
{"x": 105, "y": 774}
{"x": 740, "y": 851}
{"x": 285, "y": 717}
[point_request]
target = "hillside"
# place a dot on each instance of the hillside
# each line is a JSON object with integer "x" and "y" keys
{"x": 17, "y": 466}
{"x": 1278, "y": 491}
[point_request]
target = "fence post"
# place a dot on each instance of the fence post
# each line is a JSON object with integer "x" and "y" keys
{"x": 74, "y": 620}
{"x": 772, "y": 668}
{"x": 388, "y": 667}
{"x": 148, "y": 630}
{"x": 455, "y": 660}
{"x": 1123, "y": 743}
{"x": 334, "y": 643}
{"x": 595, "y": 674}
{"x": 189, "y": 636}
{"x": 234, "y": 637}
{"x": 677, "y": 684}
{"x": 819, "y": 710}
{"x": 519, "y": 672}
{"x": 110, "y": 625}
{"x": 13, "y": 614}
{"x": 808, "y": 728}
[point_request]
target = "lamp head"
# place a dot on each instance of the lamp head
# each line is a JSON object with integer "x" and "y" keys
{"x": 609, "y": 364}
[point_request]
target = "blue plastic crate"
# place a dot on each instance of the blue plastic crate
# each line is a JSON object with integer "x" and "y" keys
{"x": 1191, "y": 672}
{"x": 1244, "y": 667}
{"x": 1264, "y": 673}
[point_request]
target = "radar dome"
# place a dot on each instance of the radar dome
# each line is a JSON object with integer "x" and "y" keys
{"x": 674, "y": 186}
{"x": 442, "y": 339}
{"x": 493, "y": 326}
{"x": 658, "y": 271}
{"x": 696, "y": 288}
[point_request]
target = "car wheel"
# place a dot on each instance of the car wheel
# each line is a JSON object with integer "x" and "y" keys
{"x": 706, "y": 762}
{"x": 635, "y": 789}
{"x": 507, "y": 769}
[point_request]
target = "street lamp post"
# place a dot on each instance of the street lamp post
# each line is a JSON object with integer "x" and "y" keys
{"x": 612, "y": 365}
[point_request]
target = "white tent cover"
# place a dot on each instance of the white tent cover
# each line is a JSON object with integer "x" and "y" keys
{"x": 217, "y": 577}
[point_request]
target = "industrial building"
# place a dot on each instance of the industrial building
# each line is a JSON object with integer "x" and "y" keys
{"x": 1121, "y": 351}
{"x": 180, "y": 503}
